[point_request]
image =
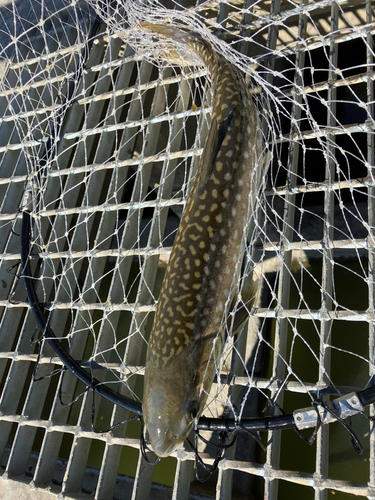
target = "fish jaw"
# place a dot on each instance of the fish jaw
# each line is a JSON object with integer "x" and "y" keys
{"x": 164, "y": 411}
{"x": 165, "y": 432}
{"x": 175, "y": 395}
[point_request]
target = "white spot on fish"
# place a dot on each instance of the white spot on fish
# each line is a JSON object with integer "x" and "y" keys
{"x": 222, "y": 232}
{"x": 192, "y": 249}
{"x": 226, "y": 140}
{"x": 215, "y": 179}
{"x": 194, "y": 237}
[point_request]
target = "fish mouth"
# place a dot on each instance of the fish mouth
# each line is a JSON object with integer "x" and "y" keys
{"x": 164, "y": 449}
{"x": 160, "y": 451}
{"x": 165, "y": 444}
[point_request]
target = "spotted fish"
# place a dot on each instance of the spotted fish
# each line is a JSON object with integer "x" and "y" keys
{"x": 197, "y": 292}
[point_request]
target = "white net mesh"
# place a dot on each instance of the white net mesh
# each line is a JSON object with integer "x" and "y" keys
{"x": 100, "y": 137}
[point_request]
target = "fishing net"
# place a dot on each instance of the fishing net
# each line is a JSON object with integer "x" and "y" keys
{"x": 101, "y": 135}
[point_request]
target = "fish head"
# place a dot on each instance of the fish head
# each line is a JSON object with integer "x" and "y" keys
{"x": 174, "y": 396}
{"x": 168, "y": 424}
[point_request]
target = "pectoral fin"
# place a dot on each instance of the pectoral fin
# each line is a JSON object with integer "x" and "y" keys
{"x": 208, "y": 156}
{"x": 214, "y": 142}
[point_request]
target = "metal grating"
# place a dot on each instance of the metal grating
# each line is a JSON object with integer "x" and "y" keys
{"x": 113, "y": 192}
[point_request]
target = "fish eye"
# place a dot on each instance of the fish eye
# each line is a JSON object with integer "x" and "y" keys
{"x": 192, "y": 411}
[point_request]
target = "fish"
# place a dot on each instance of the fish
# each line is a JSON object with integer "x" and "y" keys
{"x": 190, "y": 329}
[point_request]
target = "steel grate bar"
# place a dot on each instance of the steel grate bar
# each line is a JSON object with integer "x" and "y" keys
{"x": 280, "y": 342}
{"x": 322, "y": 440}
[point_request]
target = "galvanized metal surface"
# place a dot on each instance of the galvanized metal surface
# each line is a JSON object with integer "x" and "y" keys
{"x": 31, "y": 416}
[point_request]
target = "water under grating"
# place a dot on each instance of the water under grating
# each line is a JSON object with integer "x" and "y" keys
{"x": 99, "y": 140}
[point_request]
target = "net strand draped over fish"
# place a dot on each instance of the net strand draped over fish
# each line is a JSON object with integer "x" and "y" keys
{"x": 198, "y": 289}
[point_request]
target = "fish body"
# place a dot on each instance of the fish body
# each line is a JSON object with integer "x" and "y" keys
{"x": 189, "y": 332}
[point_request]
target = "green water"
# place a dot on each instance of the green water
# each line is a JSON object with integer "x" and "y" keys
{"x": 349, "y": 351}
